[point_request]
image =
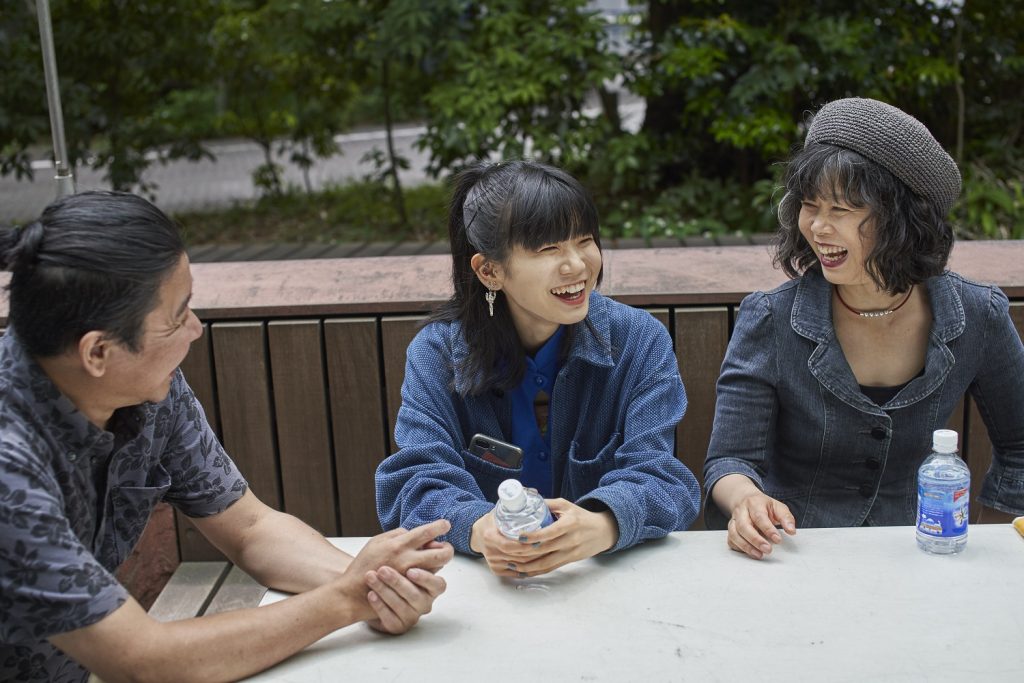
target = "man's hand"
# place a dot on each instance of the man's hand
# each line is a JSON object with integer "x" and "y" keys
{"x": 397, "y": 551}
{"x": 399, "y": 601}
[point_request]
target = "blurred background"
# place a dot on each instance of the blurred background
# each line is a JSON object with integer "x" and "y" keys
{"x": 339, "y": 120}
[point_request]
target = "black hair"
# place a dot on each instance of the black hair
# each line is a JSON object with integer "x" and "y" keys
{"x": 93, "y": 261}
{"x": 913, "y": 237}
{"x": 494, "y": 208}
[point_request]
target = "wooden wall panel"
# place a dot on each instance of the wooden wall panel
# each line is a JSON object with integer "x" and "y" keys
{"x": 303, "y": 423}
{"x": 357, "y": 407}
{"x": 198, "y": 370}
{"x": 396, "y": 333}
{"x": 701, "y": 337}
{"x": 247, "y": 419}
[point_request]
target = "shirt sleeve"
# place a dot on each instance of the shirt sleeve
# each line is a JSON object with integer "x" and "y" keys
{"x": 999, "y": 394}
{"x": 50, "y": 583}
{"x": 426, "y": 479}
{"x": 746, "y": 407}
{"x": 204, "y": 480}
{"x": 648, "y": 490}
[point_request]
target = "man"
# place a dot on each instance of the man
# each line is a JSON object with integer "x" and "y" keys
{"x": 97, "y": 425}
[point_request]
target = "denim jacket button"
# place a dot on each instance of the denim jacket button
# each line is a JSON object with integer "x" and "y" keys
{"x": 878, "y": 433}
{"x": 872, "y": 463}
{"x": 866, "y": 490}
{"x": 538, "y": 380}
{"x": 542, "y": 456}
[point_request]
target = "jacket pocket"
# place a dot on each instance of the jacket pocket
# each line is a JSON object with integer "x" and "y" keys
{"x": 489, "y": 476}
{"x": 584, "y": 470}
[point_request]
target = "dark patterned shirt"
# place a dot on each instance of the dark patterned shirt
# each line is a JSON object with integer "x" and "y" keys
{"x": 74, "y": 500}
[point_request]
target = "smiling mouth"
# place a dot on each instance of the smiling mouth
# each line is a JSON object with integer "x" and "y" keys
{"x": 570, "y": 293}
{"x": 831, "y": 256}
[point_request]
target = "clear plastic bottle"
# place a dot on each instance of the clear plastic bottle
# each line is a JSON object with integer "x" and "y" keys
{"x": 943, "y": 496}
{"x": 520, "y": 510}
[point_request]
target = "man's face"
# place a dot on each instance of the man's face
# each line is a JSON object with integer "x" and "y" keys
{"x": 168, "y": 331}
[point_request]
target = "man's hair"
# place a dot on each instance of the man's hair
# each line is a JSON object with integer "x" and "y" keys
{"x": 93, "y": 261}
{"x": 912, "y": 237}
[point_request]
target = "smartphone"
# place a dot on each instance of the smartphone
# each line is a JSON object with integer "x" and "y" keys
{"x": 496, "y": 451}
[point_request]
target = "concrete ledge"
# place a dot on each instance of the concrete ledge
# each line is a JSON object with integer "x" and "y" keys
{"x": 415, "y": 284}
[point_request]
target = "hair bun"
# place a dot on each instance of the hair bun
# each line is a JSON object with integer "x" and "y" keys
{"x": 19, "y": 247}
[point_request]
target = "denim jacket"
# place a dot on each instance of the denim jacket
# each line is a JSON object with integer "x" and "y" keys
{"x": 791, "y": 416}
{"x": 613, "y": 413}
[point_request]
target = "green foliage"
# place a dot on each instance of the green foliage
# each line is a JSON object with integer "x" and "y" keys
{"x": 697, "y": 206}
{"x": 515, "y": 78}
{"x": 727, "y": 86}
{"x": 350, "y": 213}
{"x": 991, "y": 206}
{"x": 122, "y": 67}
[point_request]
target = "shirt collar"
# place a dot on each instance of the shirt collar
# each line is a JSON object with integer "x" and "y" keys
{"x": 812, "y": 307}
{"x": 590, "y": 341}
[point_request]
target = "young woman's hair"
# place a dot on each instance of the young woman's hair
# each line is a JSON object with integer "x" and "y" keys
{"x": 494, "y": 208}
{"x": 912, "y": 236}
{"x": 93, "y": 261}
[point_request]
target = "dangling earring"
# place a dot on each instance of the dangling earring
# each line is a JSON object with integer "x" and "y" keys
{"x": 489, "y": 297}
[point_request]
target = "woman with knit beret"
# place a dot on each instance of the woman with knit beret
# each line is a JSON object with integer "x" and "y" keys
{"x": 834, "y": 381}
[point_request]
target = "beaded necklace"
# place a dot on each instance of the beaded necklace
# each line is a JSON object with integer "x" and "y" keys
{"x": 875, "y": 314}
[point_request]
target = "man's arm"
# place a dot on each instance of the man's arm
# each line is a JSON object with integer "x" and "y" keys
{"x": 128, "y": 645}
{"x": 275, "y": 548}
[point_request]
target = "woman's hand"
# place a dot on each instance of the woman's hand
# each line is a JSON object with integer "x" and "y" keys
{"x": 576, "y": 534}
{"x": 752, "y": 528}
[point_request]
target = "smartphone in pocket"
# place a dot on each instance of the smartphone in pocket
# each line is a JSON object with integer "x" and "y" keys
{"x": 496, "y": 451}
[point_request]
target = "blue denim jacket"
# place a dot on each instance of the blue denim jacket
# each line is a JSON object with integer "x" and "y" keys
{"x": 791, "y": 416}
{"x": 614, "y": 409}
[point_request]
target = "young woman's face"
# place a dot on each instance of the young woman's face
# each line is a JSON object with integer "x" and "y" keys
{"x": 832, "y": 226}
{"x": 549, "y": 287}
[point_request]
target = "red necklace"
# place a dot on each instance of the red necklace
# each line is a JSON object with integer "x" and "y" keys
{"x": 875, "y": 314}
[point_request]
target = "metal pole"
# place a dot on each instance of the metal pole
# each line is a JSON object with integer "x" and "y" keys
{"x": 65, "y": 178}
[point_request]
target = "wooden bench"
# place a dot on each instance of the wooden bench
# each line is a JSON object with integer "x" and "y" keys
{"x": 301, "y": 366}
{"x": 199, "y": 588}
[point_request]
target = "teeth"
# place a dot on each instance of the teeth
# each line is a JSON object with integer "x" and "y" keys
{"x": 569, "y": 289}
{"x": 831, "y": 251}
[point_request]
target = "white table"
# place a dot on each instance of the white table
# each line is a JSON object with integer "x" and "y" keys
{"x": 829, "y": 605}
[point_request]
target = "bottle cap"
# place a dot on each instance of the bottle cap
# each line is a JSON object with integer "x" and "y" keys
{"x": 512, "y": 495}
{"x": 944, "y": 441}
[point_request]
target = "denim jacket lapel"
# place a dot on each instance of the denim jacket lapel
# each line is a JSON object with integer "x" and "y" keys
{"x": 812, "y": 319}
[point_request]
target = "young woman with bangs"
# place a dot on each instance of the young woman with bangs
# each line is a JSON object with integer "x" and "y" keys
{"x": 834, "y": 382}
{"x": 527, "y": 352}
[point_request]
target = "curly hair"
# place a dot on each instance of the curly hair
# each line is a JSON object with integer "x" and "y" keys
{"x": 912, "y": 236}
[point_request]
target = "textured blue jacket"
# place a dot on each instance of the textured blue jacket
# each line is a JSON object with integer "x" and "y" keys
{"x": 791, "y": 416}
{"x": 614, "y": 410}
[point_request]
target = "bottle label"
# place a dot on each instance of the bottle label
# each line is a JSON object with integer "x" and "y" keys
{"x": 942, "y": 513}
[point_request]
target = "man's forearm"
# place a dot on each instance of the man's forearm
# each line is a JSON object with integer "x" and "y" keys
{"x": 221, "y": 647}
{"x": 282, "y": 552}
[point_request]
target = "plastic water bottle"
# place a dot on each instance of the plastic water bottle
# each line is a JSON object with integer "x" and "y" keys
{"x": 943, "y": 494}
{"x": 520, "y": 510}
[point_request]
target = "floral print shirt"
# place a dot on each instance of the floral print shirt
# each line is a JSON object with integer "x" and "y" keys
{"x": 74, "y": 500}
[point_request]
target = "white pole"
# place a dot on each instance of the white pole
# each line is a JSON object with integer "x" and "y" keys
{"x": 65, "y": 178}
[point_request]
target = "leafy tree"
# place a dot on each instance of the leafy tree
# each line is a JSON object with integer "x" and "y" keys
{"x": 129, "y": 72}
{"x": 283, "y": 68}
{"x": 513, "y": 79}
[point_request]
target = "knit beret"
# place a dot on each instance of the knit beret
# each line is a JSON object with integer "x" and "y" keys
{"x": 892, "y": 139}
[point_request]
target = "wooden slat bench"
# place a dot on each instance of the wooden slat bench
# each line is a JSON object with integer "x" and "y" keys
{"x": 301, "y": 366}
{"x": 199, "y": 588}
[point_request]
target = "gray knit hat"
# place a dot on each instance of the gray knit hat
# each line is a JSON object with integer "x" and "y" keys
{"x": 892, "y": 139}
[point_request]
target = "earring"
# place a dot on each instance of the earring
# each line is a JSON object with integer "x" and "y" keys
{"x": 489, "y": 297}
